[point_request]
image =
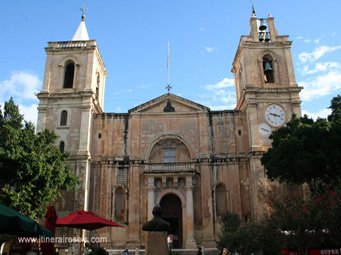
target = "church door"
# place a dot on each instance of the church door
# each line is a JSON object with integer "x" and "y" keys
{"x": 172, "y": 213}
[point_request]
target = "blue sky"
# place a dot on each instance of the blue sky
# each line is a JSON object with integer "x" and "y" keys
{"x": 132, "y": 36}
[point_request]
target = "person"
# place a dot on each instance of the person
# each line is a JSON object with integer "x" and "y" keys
{"x": 199, "y": 251}
{"x": 126, "y": 252}
{"x": 170, "y": 242}
{"x": 226, "y": 251}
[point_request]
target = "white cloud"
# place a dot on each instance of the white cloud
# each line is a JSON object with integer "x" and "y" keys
{"x": 321, "y": 85}
{"x": 22, "y": 86}
{"x": 30, "y": 112}
{"x": 208, "y": 50}
{"x": 220, "y": 95}
{"x": 324, "y": 77}
{"x": 224, "y": 83}
{"x": 321, "y": 67}
{"x": 123, "y": 92}
{"x": 320, "y": 114}
{"x": 144, "y": 86}
{"x": 318, "y": 53}
{"x": 302, "y": 38}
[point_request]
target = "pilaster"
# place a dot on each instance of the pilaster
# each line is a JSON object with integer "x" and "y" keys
{"x": 190, "y": 242}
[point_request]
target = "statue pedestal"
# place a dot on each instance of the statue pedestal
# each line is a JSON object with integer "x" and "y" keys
{"x": 156, "y": 236}
{"x": 156, "y": 243}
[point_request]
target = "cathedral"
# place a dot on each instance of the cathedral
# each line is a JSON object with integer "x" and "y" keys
{"x": 196, "y": 163}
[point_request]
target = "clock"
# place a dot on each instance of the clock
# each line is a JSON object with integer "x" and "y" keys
{"x": 264, "y": 129}
{"x": 275, "y": 115}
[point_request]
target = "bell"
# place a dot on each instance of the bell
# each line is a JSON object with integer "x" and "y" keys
{"x": 267, "y": 37}
{"x": 262, "y": 25}
{"x": 261, "y": 36}
{"x": 267, "y": 67}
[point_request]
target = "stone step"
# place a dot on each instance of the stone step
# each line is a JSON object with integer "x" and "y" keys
{"x": 207, "y": 251}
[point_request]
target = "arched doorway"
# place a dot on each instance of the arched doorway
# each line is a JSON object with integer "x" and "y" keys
{"x": 172, "y": 213}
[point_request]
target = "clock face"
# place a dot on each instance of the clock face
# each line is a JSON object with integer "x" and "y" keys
{"x": 264, "y": 129}
{"x": 275, "y": 115}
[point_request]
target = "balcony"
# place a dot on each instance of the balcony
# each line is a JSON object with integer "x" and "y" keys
{"x": 169, "y": 168}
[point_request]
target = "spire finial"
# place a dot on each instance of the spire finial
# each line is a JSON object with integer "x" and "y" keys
{"x": 253, "y": 8}
{"x": 168, "y": 87}
{"x": 83, "y": 10}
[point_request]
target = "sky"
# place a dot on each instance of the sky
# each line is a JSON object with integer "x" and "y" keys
{"x": 133, "y": 36}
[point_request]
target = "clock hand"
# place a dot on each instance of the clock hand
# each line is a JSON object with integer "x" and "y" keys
{"x": 264, "y": 129}
{"x": 274, "y": 114}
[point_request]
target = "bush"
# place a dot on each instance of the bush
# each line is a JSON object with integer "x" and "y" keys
{"x": 247, "y": 238}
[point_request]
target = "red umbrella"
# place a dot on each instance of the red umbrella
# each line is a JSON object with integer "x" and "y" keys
{"x": 50, "y": 223}
{"x": 86, "y": 220}
{"x": 51, "y": 218}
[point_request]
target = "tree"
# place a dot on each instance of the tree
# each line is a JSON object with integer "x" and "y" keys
{"x": 249, "y": 237}
{"x": 308, "y": 223}
{"x": 32, "y": 170}
{"x": 307, "y": 151}
{"x": 335, "y": 106}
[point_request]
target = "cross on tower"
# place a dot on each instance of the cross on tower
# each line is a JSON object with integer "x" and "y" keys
{"x": 253, "y": 7}
{"x": 83, "y": 10}
{"x": 168, "y": 87}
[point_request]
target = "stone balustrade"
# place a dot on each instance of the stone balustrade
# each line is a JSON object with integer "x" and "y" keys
{"x": 169, "y": 168}
{"x": 71, "y": 44}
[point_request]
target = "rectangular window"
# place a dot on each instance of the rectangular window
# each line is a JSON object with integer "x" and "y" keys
{"x": 169, "y": 155}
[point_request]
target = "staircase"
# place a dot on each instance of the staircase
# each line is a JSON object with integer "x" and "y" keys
{"x": 207, "y": 251}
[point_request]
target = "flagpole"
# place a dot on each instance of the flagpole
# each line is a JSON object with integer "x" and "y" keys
{"x": 168, "y": 64}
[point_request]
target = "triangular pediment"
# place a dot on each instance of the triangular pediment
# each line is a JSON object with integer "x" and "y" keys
{"x": 169, "y": 103}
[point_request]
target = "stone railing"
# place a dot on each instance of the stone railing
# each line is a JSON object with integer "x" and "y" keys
{"x": 71, "y": 44}
{"x": 169, "y": 168}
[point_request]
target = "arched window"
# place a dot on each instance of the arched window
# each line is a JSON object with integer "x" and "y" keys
{"x": 63, "y": 118}
{"x": 97, "y": 85}
{"x": 221, "y": 200}
{"x": 69, "y": 74}
{"x": 268, "y": 70}
{"x": 61, "y": 146}
{"x": 120, "y": 205}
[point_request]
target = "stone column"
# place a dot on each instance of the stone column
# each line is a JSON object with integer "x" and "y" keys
{"x": 151, "y": 197}
{"x": 190, "y": 242}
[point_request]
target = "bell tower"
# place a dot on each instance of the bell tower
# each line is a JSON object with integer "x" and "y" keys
{"x": 73, "y": 91}
{"x": 266, "y": 90}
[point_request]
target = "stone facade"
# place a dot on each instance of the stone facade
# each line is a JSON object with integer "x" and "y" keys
{"x": 196, "y": 163}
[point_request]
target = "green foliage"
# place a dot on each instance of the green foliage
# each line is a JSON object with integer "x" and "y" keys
{"x": 335, "y": 106}
{"x": 313, "y": 222}
{"x": 32, "y": 170}
{"x": 295, "y": 223}
{"x": 98, "y": 251}
{"x": 304, "y": 151}
{"x": 245, "y": 238}
{"x": 307, "y": 151}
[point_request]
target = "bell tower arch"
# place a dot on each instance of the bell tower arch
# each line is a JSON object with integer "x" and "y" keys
{"x": 72, "y": 92}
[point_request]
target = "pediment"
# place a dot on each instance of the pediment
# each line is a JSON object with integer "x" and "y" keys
{"x": 169, "y": 103}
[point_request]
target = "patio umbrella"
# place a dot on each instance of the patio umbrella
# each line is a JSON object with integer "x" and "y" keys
{"x": 14, "y": 222}
{"x": 50, "y": 223}
{"x": 86, "y": 220}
